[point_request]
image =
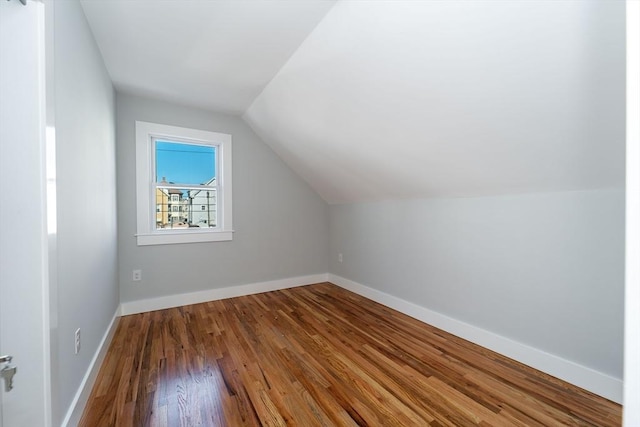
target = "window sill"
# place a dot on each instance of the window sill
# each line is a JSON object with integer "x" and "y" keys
{"x": 170, "y": 238}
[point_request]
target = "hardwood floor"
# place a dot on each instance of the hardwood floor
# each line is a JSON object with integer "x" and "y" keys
{"x": 318, "y": 355}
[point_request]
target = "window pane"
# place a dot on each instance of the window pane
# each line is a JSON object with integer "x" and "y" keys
{"x": 184, "y": 208}
{"x": 182, "y": 163}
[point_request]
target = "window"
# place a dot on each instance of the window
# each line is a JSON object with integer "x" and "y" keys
{"x": 183, "y": 183}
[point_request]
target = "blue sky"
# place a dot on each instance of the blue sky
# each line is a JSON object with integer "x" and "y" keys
{"x": 184, "y": 163}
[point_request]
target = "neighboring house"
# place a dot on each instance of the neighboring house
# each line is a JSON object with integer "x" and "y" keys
{"x": 198, "y": 209}
{"x": 162, "y": 204}
{"x": 203, "y": 204}
{"x": 177, "y": 208}
{"x": 171, "y": 208}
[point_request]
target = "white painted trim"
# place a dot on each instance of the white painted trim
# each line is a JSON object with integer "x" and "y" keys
{"x": 185, "y": 237}
{"x": 169, "y": 301}
{"x": 23, "y": 105}
{"x": 587, "y": 378}
{"x": 145, "y": 192}
{"x": 76, "y": 408}
{"x": 631, "y": 415}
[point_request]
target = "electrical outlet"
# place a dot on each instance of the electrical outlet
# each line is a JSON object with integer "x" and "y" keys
{"x": 137, "y": 275}
{"x": 77, "y": 341}
{"x": 339, "y": 257}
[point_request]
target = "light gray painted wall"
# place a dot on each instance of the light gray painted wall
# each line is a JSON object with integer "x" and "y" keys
{"x": 545, "y": 270}
{"x": 87, "y": 289}
{"x": 281, "y": 225}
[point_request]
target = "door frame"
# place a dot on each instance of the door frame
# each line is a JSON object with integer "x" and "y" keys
{"x": 24, "y": 279}
{"x": 631, "y": 409}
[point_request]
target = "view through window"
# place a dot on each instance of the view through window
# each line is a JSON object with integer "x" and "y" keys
{"x": 186, "y": 187}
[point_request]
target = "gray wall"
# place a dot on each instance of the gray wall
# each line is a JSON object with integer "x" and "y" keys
{"x": 87, "y": 291}
{"x": 545, "y": 270}
{"x": 281, "y": 225}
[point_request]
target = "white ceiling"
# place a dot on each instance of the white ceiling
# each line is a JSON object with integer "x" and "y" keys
{"x": 214, "y": 54}
{"x": 405, "y": 99}
{"x": 376, "y": 99}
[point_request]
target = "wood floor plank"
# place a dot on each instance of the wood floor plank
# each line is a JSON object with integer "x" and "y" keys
{"x": 319, "y": 355}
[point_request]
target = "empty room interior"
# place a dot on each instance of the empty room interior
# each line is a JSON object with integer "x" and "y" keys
{"x": 319, "y": 212}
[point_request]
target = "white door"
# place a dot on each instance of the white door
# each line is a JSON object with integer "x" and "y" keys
{"x": 24, "y": 322}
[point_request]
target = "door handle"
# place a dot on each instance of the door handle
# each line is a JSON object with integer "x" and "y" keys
{"x": 7, "y": 372}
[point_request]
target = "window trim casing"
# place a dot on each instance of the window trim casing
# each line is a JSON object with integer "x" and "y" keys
{"x": 146, "y": 234}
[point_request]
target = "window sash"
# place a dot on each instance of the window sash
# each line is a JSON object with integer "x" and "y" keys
{"x": 192, "y": 210}
{"x": 158, "y": 185}
{"x": 186, "y": 141}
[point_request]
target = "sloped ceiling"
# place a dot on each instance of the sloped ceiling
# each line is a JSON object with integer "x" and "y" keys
{"x": 403, "y": 99}
{"x": 374, "y": 99}
{"x": 216, "y": 54}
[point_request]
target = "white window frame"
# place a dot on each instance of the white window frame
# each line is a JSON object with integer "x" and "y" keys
{"x": 147, "y": 234}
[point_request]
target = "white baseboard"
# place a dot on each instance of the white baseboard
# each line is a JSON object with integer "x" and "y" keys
{"x": 587, "y": 378}
{"x": 160, "y": 303}
{"x": 74, "y": 412}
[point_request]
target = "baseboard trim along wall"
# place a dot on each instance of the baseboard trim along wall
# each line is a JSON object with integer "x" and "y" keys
{"x": 160, "y": 303}
{"x": 74, "y": 413}
{"x": 587, "y": 378}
